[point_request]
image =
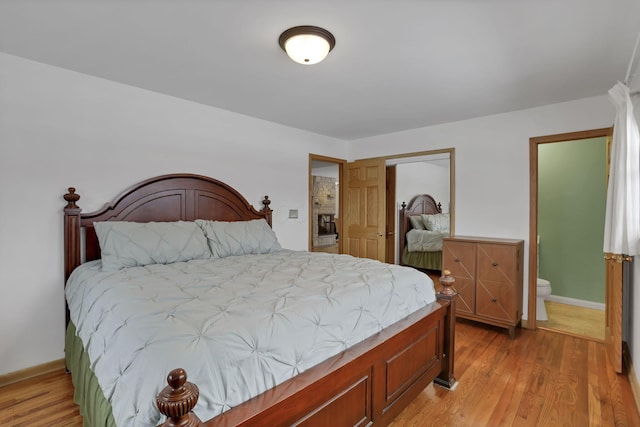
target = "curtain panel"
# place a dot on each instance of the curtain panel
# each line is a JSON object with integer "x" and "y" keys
{"x": 622, "y": 218}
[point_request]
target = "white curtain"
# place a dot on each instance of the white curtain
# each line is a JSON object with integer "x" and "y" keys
{"x": 622, "y": 220}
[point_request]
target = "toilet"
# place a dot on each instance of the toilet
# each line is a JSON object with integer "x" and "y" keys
{"x": 543, "y": 291}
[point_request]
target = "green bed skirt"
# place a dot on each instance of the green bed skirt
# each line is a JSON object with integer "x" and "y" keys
{"x": 423, "y": 260}
{"x": 94, "y": 407}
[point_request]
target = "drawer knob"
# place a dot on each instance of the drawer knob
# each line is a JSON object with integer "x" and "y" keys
{"x": 458, "y": 259}
{"x": 495, "y": 264}
{"x": 494, "y": 299}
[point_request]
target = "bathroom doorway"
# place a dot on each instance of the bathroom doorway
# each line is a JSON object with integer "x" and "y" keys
{"x": 567, "y": 223}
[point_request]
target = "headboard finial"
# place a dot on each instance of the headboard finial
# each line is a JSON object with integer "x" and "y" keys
{"x": 266, "y": 202}
{"x": 71, "y": 197}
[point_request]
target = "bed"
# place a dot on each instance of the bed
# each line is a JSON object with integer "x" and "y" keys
{"x": 364, "y": 380}
{"x": 422, "y": 227}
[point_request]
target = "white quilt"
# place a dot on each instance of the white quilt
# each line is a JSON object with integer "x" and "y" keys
{"x": 238, "y": 325}
{"x": 425, "y": 240}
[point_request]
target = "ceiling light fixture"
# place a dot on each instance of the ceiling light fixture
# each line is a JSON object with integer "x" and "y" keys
{"x": 307, "y": 44}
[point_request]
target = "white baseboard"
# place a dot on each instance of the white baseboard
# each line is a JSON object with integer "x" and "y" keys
{"x": 577, "y": 302}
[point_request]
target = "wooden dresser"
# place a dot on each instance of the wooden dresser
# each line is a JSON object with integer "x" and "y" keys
{"x": 488, "y": 278}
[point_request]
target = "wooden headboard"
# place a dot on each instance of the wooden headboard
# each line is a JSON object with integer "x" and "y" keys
{"x": 420, "y": 204}
{"x": 164, "y": 198}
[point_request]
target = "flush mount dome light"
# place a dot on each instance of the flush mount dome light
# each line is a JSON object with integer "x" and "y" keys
{"x": 307, "y": 44}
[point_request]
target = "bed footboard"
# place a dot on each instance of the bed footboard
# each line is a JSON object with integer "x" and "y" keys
{"x": 369, "y": 384}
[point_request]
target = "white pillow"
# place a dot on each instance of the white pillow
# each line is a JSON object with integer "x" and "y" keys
{"x": 239, "y": 237}
{"x": 131, "y": 244}
{"x": 416, "y": 222}
{"x": 436, "y": 222}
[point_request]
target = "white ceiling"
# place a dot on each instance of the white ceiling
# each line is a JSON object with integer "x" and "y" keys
{"x": 397, "y": 64}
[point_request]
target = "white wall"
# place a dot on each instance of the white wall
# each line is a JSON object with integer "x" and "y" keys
{"x": 422, "y": 178}
{"x": 492, "y": 172}
{"x": 327, "y": 171}
{"x": 60, "y": 128}
{"x": 492, "y": 160}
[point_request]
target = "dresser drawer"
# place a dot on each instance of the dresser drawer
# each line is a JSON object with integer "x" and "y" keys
{"x": 460, "y": 259}
{"x": 497, "y": 263}
{"x": 496, "y": 300}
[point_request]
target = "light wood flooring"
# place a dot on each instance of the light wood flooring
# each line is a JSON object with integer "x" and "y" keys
{"x": 574, "y": 320}
{"x": 46, "y": 400}
{"x": 332, "y": 249}
{"x": 540, "y": 378}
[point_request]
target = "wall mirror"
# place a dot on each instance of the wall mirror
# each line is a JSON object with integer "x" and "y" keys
{"x": 425, "y": 183}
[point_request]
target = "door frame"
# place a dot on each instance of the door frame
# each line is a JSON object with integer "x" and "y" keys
{"x": 534, "y": 142}
{"x": 390, "y": 213}
{"x": 341, "y": 163}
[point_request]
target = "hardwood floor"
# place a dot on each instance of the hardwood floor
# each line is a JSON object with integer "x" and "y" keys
{"x": 46, "y": 400}
{"x": 574, "y": 320}
{"x": 540, "y": 378}
{"x": 332, "y": 249}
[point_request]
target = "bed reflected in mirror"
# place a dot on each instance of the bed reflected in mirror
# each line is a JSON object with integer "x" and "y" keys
{"x": 424, "y": 194}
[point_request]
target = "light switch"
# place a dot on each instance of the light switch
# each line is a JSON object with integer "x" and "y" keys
{"x": 293, "y": 213}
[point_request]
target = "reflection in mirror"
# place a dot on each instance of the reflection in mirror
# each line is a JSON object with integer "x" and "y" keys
{"x": 325, "y": 208}
{"x": 423, "y": 195}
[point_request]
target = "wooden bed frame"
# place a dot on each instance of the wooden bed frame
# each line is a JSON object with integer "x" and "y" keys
{"x": 368, "y": 384}
{"x": 418, "y": 205}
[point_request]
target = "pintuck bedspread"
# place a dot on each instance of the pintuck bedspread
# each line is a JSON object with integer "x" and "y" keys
{"x": 425, "y": 240}
{"x": 239, "y": 325}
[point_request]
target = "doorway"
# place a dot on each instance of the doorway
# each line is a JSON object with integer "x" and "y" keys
{"x": 325, "y": 207}
{"x": 375, "y": 230}
{"x": 322, "y": 164}
{"x": 568, "y": 195}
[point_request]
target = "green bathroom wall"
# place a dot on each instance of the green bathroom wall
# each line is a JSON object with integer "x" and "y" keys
{"x": 571, "y": 209}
